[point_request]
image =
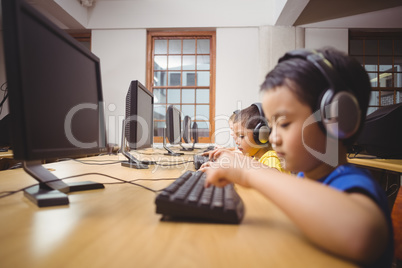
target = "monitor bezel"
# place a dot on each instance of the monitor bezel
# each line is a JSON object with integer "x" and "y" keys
{"x": 12, "y": 37}
{"x": 131, "y": 129}
{"x": 172, "y": 113}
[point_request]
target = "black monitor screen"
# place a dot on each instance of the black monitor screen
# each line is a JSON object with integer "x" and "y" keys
{"x": 55, "y": 99}
{"x": 187, "y": 129}
{"x": 139, "y": 116}
{"x": 54, "y": 85}
{"x": 173, "y": 125}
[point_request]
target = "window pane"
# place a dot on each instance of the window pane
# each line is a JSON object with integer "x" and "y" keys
{"x": 203, "y": 79}
{"x": 373, "y": 79}
{"x": 174, "y": 46}
{"x": 371, "y": 64}
{"x": 202, "y": 95}
{"x": 188, "y": 62}
{"x": 160, "y": 62}
{"x": 188, "y": 79}
{"x": 385, "y": 80}
{"x": 202, "y": 112}
{"x": 174, "y": 63}
{"x": 188, "y": 96}
{"x": 160, "y": 46}
{"x": 385, "y": 47}
{"x": 203, "y": 46}
{"x": 387, "y": 98}
{"x": 159, "y": 95}
{"x": 159, "y": 79}
{"x": 202, "y": 62}
{"x": 188, "y": 110}
{"x": 398, "y": 80}
{"x": 374, "y": 101}
{"x": 174, "y": 79}
{"x": 371, "y": 47}
{"x": 398, "y": 47}
{"x": 356, "y": 47}
{"x": 188, "y": 46}
{"x": 385, "y": 64}
{"x": 398, "y": 97}
{"x": 173, "y": 96}
{"x": 159, "y": 112}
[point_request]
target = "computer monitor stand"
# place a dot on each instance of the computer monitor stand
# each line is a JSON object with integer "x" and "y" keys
{"x": 186, "y": 149}
{"x": 170, "y": 152}
{"x": 132, "y": 161}
{"x": 51, "y": 190}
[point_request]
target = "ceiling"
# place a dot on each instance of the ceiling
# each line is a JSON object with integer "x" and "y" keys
{"x": 322, "y": 10}
{"x": 315, "y": 11}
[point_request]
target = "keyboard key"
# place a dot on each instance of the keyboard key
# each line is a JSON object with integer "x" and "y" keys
{"x": 186, "y": 198}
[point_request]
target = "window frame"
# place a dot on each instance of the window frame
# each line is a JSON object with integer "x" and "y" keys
{"x": 391, "y": 89}
{"x": 211, "y": 35}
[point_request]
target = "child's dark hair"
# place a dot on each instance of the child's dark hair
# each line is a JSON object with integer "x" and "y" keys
{"x": 248, "y": 117}
{"x": 308, "y": 84}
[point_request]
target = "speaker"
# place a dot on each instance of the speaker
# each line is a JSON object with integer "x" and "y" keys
{"x": 262, "y": 130}
{"x": 339, "y": 108}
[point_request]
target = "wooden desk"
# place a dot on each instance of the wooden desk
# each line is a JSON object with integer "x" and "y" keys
{"x": 118, "y": 227}
{"x": 385, "y": 164}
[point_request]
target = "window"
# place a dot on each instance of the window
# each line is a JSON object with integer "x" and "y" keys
{"x": 381, "y": 56}
{"x": 181, "y": 72}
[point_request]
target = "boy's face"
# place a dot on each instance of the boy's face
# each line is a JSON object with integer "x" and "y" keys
{"x": 244, "y": 140}
{"x": 286, "y": 116}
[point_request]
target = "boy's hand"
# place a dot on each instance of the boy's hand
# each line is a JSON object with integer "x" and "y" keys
{"x": 228, "y": 168}
{"x": 215, "y": 154}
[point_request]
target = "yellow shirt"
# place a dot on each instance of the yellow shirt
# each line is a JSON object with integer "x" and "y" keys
{"x": 272, "y": 160}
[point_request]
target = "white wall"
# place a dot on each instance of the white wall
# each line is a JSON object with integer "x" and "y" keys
{"x": 123, "y": 59}
{"x": 237, "y": 68}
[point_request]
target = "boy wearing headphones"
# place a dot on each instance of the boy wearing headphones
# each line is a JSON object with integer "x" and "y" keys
{"x": 251, "y": 136}
{"x": 316, "y": 102}
{"x": 251, "y": 132}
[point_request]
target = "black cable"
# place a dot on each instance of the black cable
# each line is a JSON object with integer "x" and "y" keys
{"x": 8, "y": 193}
{"x": 101, "y": 162}
{"x": 97, "y": 162}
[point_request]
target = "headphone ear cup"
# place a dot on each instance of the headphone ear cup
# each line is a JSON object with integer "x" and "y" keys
{"x": 341, "y": 114}
{"x": 261, "y": 134}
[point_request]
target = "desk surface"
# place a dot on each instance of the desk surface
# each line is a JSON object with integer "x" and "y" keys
{"x": 118, "y": 227}
{"x": 387, "y": 164}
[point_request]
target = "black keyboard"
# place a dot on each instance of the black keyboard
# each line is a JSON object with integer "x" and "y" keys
{"x": 199, "y": 160}
{"x": 187, "y": 199}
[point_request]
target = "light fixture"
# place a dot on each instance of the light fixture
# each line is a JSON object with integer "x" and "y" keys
{"x": 86, "y": 3}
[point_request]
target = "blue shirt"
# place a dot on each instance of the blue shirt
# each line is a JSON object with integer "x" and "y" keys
{"x": 351, "y": 179}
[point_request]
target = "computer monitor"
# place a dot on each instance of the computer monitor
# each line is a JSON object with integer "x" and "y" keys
{"x": 138, "y": 124}
{"x": 55, "y": 99}
{"x": 173, "y": 128}
{"x": 186, "y": 135}
{"x": 187, "y": 129}
{"x": 140, "y": 114}
{"x": 194, "y": 133}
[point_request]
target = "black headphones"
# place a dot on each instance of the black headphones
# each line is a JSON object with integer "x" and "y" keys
{"x": 339, "y": 108}
{"x": 262, "y": 130}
